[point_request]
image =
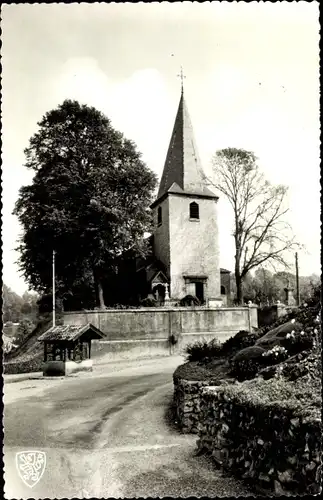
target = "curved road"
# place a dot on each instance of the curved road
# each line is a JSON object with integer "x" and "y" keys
{"x": 107, "y": 434}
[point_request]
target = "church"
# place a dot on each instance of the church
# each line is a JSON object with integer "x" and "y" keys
{"x": 184, "y": 245}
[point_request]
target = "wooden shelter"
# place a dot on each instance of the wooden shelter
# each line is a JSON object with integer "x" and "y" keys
{"x": 67, "y": 348}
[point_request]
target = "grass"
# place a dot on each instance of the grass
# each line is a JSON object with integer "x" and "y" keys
{"x": 303, "y": 396}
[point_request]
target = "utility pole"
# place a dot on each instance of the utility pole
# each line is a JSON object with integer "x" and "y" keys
{"x": 298, "y": 300}
{"x": 53, "y": 288}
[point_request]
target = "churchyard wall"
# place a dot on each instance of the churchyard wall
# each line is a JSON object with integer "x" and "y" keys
{"x": 141, "y": 332}
{"x": 269, "y": 314}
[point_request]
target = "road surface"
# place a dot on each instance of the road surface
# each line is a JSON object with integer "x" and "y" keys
{"x": 106, "y": 434}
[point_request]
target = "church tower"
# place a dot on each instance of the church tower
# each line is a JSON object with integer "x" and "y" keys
{"x": 185, "y": 218}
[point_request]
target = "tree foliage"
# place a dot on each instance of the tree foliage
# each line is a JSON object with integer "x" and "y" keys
{"x": 264, "y": 287}
{"x": 88, "y": 201}
{"x": 260, "y": 232}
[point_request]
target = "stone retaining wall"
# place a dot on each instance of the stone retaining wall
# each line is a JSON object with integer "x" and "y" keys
{"x": 274, "y": 448}
{"x": 187, "y": 396}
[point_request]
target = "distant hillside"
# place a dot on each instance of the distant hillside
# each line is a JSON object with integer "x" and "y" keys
{"x": 28, "y": 356}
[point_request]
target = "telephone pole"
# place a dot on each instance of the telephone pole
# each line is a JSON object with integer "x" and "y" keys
{"x": 297, "y": 280}
{"x": 53, "y": 293}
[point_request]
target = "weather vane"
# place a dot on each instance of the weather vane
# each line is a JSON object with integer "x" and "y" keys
{"x": 182, "y": 76}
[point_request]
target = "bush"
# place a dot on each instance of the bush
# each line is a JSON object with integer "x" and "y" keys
{"x": 304, "y": 315}
{"x": 189, "y": 300}
{"x": 34, "y": 364}
{"x": 234, "y": 344}
{"x": 296, "y": 342}
{"x": 202, "y": 350}
{"x": 247, "y": 353}
{"x": 249, "y": 362}
{"x": 245, "y": 369}
{"x": 274, "y": 356}
{"x": 148, "y": 302}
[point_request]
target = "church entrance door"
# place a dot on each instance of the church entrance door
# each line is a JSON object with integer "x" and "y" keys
{"x": 199, "y": 291}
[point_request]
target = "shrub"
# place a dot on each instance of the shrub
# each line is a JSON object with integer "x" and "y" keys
{"x": 148, "y": 302}
{"x": 25, "y": 328}
{"x": 304, "y": 315}
{"x": 247, "y": 353}
{"x": 276, "y": 335}
{"x": 274, "y": 356}
{"x": 189, "y": 300}
{"x": 296, "y": 342}
{"x": 241, "y": 340}
{"x": 34, "y": 364}
{"x": 245, "y": 369}
{"x": 202, "y": 350}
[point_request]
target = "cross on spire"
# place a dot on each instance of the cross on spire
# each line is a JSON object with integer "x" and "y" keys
{"x": 182, "y": 76}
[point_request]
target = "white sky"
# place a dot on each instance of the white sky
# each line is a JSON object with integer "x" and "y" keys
{"x": 252, "y": 82}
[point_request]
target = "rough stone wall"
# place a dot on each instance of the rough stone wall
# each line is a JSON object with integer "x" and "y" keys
{"x": 187, "y": 396}
{"x": 275, "y": 448}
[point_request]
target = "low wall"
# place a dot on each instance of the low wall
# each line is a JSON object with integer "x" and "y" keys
{"x": 137, "y": 333}
{"x": 86, "y": 365}
{"x": 158, "y": 322}
{"x": 187, "y": 401}
{"x": 146, "y": 332}
{"x": 269, "y": 314}
{"x": 274, "y": 448}
{"x": 129, "y": 349}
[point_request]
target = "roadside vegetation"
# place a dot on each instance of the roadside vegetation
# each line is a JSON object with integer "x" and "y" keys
{"x": 278, "y": 363}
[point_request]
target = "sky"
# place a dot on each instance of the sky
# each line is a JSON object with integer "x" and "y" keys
{"x": 252, "y": 82}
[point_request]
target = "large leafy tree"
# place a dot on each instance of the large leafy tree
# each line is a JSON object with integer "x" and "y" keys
{"x": 261, "y": 233}
{"x": 12, "y": 305}
{"x": 88, "y": 200}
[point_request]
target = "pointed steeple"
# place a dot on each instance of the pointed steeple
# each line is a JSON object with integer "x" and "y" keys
{"x": 183, "y": 166}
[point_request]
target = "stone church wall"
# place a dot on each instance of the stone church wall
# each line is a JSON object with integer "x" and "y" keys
{"x": 161, "y": 234}
{"x": 194, "y": 245}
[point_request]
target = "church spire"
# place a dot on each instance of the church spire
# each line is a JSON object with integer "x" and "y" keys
{"x": 183, "y": 170}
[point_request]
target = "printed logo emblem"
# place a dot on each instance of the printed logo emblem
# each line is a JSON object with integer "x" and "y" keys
{"x": 31, "y": 466}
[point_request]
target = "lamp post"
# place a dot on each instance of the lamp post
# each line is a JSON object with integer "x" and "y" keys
{"x": 53, "y": 293}
{"x": 298, "y": 299}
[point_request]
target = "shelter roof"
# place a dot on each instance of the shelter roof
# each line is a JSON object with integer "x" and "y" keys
{"x": 70, "y": 333}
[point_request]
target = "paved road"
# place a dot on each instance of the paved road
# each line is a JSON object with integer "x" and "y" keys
{"x": 107, "y": 434}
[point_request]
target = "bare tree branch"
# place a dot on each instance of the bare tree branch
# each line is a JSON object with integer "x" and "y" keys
{"x": 261, "y": 234}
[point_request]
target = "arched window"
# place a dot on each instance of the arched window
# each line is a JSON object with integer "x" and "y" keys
{"x": 159, "y": 216}
{"x": 223, "y": 290}
{"x": 194, "y": 211}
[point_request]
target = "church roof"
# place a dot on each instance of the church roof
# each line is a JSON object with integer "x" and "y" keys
{"x": 183, "y": 173}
